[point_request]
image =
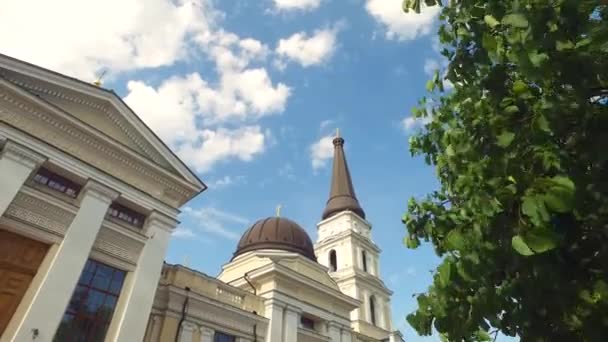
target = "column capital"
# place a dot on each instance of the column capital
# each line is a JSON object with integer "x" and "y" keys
{"x": 292, "y": 309}
{"x": 22, "y": 155}
{"x": 161, "y": 221}
{"x": 100, "y": 191}
{"x": 275, "y": 302}
{"x": 205, "y": 331}
{"x": 188, "y": 326}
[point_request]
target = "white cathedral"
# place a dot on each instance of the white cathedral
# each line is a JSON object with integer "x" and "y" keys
{"x": 89, "y": 196}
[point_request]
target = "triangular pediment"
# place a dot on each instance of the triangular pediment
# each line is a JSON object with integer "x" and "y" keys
{"x": 97, "y": 108}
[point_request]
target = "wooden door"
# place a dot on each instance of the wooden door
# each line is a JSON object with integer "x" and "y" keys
{"x": 20, "y": 258}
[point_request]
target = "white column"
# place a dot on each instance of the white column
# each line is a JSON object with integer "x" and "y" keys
{"x": 16, "y": 165}
{"x": 365, "y": 307}
{"x": 51, "y": 299}
{"x": 186, "y": 334}
{"x": 334, "y": 332}
{"x": 156, "y": 324}
{"x": 137, "y": 296}
{"x": 206, "y": 334}
{"x": 381, "y": 319}
{"x": 387, "y": 315}
{"x": 274, "y": 312}
{"x": 291, "y": 323}
{"x": 346, "y": 335}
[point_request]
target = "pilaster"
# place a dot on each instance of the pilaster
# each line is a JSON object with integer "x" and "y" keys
{"x": 274, "y": 312}
{"x": 207, "y": 334}
{"x": 137, "y": 296}
{"x": 17, "y": 162}
{"x": 50, "y": 300}
{"x": 291, "y": 323}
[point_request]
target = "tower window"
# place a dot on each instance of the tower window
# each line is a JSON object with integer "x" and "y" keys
{"x": 333, "y": 261}
{"x": 364, "y": 260}
{"x": 372, "y": 310}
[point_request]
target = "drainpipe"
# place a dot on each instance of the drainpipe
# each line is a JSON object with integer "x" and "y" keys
{"x": 183, "y": 317}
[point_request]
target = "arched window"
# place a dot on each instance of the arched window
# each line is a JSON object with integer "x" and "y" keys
{"x": 372, "y": 309}
{"x": 364, "y": 260}
{"x": 333, "y": 261}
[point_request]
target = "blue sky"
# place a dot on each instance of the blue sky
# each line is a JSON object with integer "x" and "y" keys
{"x": 247, "y": 93}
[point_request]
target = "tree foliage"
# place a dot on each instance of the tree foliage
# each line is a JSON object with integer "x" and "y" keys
{"x": 520, "y": 146}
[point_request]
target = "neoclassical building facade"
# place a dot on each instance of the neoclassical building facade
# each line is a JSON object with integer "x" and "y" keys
{"x": 88, "y": 199}
{"x": 280, "y": 287}
{"x": 89, "y": 196}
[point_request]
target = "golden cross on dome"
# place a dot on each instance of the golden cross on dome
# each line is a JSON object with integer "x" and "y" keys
{"x": 279, "y": 210}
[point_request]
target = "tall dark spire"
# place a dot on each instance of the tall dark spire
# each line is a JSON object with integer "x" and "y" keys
{"x": 342, "y": 193}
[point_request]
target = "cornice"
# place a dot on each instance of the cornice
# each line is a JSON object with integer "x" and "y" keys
{"x": 86, "y": 171}
{"x": 104, "y": 108}
{"x": 356, "y": 275}
{"x": 21, "y": 155}
{"x": 79, "y": 136}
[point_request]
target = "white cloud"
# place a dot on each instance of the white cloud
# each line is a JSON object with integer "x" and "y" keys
{"x": 325, "y": 123}
{"x": 430, "y": 65}
{"x": 215, "y": 222}
{"x": 410, "y": 124}
{"x": 307, "y": 49}
{"x": 225, "y": 181}
{"x": 400, "y": 25}
{"x": 290, "y": 5}
{"x": 286, "y": 171}
{"x": 212, "y": 146}
{"x": 81, "y": 37}
{"x": 321, "y": 151}
{"x": 183, "y": 233}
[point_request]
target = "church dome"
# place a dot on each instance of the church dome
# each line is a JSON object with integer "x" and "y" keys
{"x": 276, "y": 233}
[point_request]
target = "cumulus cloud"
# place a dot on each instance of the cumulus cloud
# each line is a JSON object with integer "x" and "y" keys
{"x": 308, "y": 50}
{"x": 175, "y": 108}
{"x": 321, "y": 151}
{"x": 183, "y": 233}
{"x": 225, "y": 181}
{"x": 81, "y": 37}
{"x": 400, "y": 25}
{"x": 292, "y": 5}
{"x": 217, "y": 222}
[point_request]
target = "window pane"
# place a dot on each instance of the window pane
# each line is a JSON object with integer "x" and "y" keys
{"x": 221, "y": 337}
{"x": 91, "y": 307}
{"x": 94, "y": 302}
{"x": 117, "y": 280}
{"x": 77, "y": 299}
{"x": 102, "y": 278}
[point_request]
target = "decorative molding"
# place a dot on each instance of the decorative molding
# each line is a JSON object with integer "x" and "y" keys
{"x": 39, "y": 213}
{"x": 21, "y": 155}
{"x": 99, "y": 191}
{"x": 161, "y": 221}
{"x": 118, "y": 245}
{"x": 90, "y": 147}
{"x": 70, "y": 96}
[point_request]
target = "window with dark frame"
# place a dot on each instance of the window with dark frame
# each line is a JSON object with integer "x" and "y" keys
{"x": 127, "y": 215}
{"x": 372, "y": 309}
{"x": 92, "y": 305}
{"x": 307, "y": 323}
{"x": 333, "y": 261}
{"x": 223, "y": 337}
{"x": 57, "y": 183}
{"x": 364, "y": 260}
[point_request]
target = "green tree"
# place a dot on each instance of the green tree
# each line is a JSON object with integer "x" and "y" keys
{"x": 520, "y": 146}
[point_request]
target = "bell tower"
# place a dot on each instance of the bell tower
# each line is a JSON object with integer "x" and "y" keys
{"x": 345, "y": 246}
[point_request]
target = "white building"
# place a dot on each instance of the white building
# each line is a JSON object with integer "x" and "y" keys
{"x": 88, "y": 199}
{"x": 279, "y": 287}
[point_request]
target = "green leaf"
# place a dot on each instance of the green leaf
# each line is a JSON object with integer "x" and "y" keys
{"x": 454, "y": 240}
{"x": 430, "y": 85}
{"x": 444, "y": 273}
{"x": 520, "y": 246}
{"x": 491, "y": 21}
{"x": 537, "y": 59}
{"x": 512, "y": 109}
{"x": 564, "y": 45}
{"x": 564, "y": 182}
{"x": 449, "y": 151}
{"x": 515, "y": 20}
{"x": 488, "y": 41}
{"x": 505, "y": 139}
{"x": 541, "y": 240}
{"x": 411, "y": 242}
{"x": 533, "y": 206}
{"x": 519, "y": 87}
{"x": 559, "y": 197}
{"x": 542, "y": 123}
